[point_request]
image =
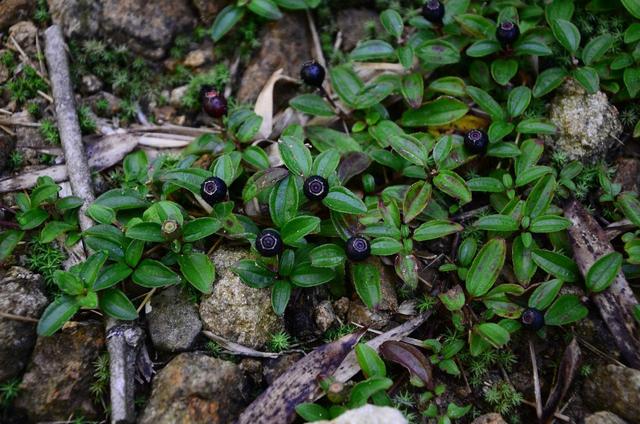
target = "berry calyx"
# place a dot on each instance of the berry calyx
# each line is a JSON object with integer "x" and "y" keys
{"x": 507, "y": 33}
{"x": 358, "y": 248}
{"x": 532, "y": 319}
{"x": 433, "y": 11}
{"x": 312, "y": 73}
{"x": 315, "y": 188}
{"x": 476, "y": 141}
{"x": 213, "y": 102}
{"x": 213, "y": 190}
{"x": 269, "y": 243}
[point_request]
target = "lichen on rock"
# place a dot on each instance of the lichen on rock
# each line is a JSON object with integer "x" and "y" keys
{"x": 588, "y": 125}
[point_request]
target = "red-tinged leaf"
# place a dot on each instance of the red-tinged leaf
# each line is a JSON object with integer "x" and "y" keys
{"x": 411, "y": 358}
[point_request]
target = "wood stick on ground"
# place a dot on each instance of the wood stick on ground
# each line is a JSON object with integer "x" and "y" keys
{"x": 615, "y": 304}
{"x": 123, "y": 341}
{"x": 536, "y": 380}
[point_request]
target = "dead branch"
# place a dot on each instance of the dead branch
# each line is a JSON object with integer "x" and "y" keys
{"x": 616, "y": 304}
{"x": 123, "y": 341}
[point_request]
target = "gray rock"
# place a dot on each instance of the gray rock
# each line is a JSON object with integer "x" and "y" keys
{"x": 147, "y": 28}
{"x": 588, "y": 124}
{"x": 274, "y": 368}
{"x": 12, "y": 11}
{"x": 614, "y": 388}
{"x": 604, "y": 417}
{"x": 91, "y": 84}
{"x": 21, "y": 293}
{"x": 324, "y": 315}
{"x": 354, "y": 25}
{"x": 195, "y": 388}
{"x": 58, "y": 378}
{"x": 234, "y": 310}
{"x": 173, "y": 320}
{"x": 628, "y": 174}
{"x": 285, "y": 43}
{"x": 369, "y": 414}
{"x": 492, "y": 418}
{"x": 380, "y": 316}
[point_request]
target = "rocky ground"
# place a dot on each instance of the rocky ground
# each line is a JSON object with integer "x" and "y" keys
{"x": 163, "y": 54}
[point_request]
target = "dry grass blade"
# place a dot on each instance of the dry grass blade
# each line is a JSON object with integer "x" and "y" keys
{"x": 238, "y": 349}
{"x": 264, "y": 104}
{"x": 567, "y": 371}
{"x": 299, "y": 384}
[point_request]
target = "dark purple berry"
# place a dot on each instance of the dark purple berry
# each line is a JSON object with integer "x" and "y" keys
{"x": 213, "y": 190}
{"x": 315, "y": 188}
{"x": 532, "y": 319}
{"x": 358, "y": 248}
{"x": 433, "y": 11}
{"x": 269, "y": 243}
{"x": 476, "y": 141}
{"x": 507, "y": 33}
{"x": 312, "y": 73}
{"x": 213, "y": 102}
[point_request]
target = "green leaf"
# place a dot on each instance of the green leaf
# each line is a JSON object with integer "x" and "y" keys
{"x": 476, "y": 25}
{"x": 556, "y": 264}
{"x": 326, "y": 163}
{"x": 256, "y": 157}
{"x": 68, "y": 203}
{"x": 415, "y": 201}
{"x": 452, "y": 86}
{"x": 452, "y": 184}
{"x": 540, "y": 196}
{"x": 68, "y": 282}
{"x": 482, "y": 48}
{"x": 486, "y": 103}
{"x": 406, "y": 267}
{"x": 44, "y": 193}
{"x": 312, "y": 412}
{"x": 249, "y": 128}
{"x": 254, "y": 274}
{"x": 295, "y": 155}
{"x": 493, "y": 333}
{"x": 370, "y": 362}
{"x": 56, "y": 314}
{"x": 544, "y": 294}
{"x": 486, "y": 267}
{"x": 298, "y": 227}
{"x": 497, "y": 223}
{"x": 117, "y": 305}
{"x": 135, "y": 166}
{"x": 413, "y": 89}
{"x": 549, "y": 224}
{"x": 311, "y": 104}
{"x": 8, "y": 241}
{"x": 567, "y": 34}
{"x": 633, "y": 6}
{"x": 523, "y": 265}
{"x": 190, "y": 179}
{"x": 630, "y": 207}
{"x": 372, "y": 49}
{"x": 32, "y": 218}
{"x": 436, "y": 229}
{"x": 565, "y": 310}
{"x": 596, "y": 48}
{"x": 373, "y": 94}
{"x": 548, "y": 80}
{"x": 385, "y": 246}
{"x": 101, "y": 214}
{"x": 146, "y": 231}
{"x": 362, "y": 391}
{"x": 91, "y": 268}
{"x": 265, "y": 8}
{"x": 502, "y": 70}
{"x": 518, "y": 100}
{"x": 305, "y": 275}
{"x": 392, "y": 22}
{"x": 531, "y": 46}
{"x": 283, "y": 201}
{"x": 200, "y": 228}
{"x": 225, "y": 20}
{"x": 631, "y": 78}
{"x": 410, "y": 148}
{"x": 341, "y": 199}
{"x": 486, "y": 184}
{"x": 151, "y": 273}
{"x": 224, "y": 168}
{"x": 632, "y": 33}
{"x": 440, "y": 111}
{"x": 588, "y": 78}
{"x": 327, "y": 256}
{"x": 366, "y": 280}
{"x": 111, "y": 275}
{"x": 345, "y": 83}
{"x": 603, "y": 272}
{"x": 438, "y": 52}
{"x": 53, "y": 229}
{"x": 198, "y": 269}
{"x": 280, "y": 295}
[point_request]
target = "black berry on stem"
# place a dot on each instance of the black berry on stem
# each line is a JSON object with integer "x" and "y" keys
{"x": 507, "y": 33}
{"x": 269, "y": 243}
{"x": 532, "y": 319}
{"x": 433, "y": 11}
{"x": 213, "y": 190}
{"x": 312, "y": 73}
{"x": 213, "y": 102}
{"x": 476, "y": 141}
{"x": 358, "y": 248}
{"x": 315, "y": 188}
